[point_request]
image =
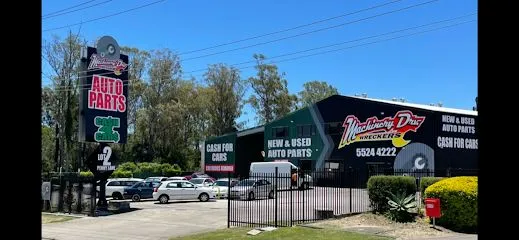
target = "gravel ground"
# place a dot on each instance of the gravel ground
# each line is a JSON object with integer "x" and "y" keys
{"x": 379, "y": 224}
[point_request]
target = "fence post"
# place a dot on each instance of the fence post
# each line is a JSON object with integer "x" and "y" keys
{"x": 276, "y": 198}
{"x": 229, "y": 200}
{"x": 350, "y": 173}
{"x": 291, "y": 203}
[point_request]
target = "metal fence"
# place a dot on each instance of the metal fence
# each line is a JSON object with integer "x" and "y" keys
{"x": 68, "y": 193}
{"x": 272, "y": 199}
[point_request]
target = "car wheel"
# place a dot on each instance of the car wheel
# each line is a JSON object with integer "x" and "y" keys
{"x": 136, "y": 198}
{"x": 306, "y": 186}
{"x": 117, "y": 196}
{"x": 251, "y": 196}
{"x": 203, "y": 197}
{"x": 271, "y": 194}
{"x": 163, "y": 199}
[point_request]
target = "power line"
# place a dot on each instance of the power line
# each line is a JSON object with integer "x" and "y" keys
{"x": 289, "y": 29}
{"x": 97, "y": 4}
{"x": 84, "y": 86}
{"x": 87, "y": 2}
{"x": 350, "y": 41}
{"x": 103, "y": 17}
{"x": 314, "y": 31}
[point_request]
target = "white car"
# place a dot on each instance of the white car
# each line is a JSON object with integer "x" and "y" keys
{"x": 176, "y": 178}
{"x": 181, "y": 190}
{"x": 221, "y": 187}
{"x": 202, "y": 182}
{"x": 115, "y": 186}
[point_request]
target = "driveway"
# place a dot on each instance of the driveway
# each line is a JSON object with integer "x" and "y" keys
{"x": 150, "y": 221}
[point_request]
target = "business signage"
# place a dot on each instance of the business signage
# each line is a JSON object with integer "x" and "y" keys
{"x": 103, "y": 99}
{"x": 374, "y": 129}
{"x": 219, "y": 154}
{"x": 102, "y": 161}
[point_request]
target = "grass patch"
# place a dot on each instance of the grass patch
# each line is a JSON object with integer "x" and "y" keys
{"x": 282, "y": 233}
{"x": 49, "y": 218}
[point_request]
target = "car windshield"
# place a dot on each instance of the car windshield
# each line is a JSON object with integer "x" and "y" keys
{"x": 247, "y": 183}
{"x": 221, "y": 183}
{"x": 197, "y": 180}
{"x": 137, "y": 184}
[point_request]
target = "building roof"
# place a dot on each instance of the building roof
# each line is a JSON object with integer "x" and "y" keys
{"x": 421, "y": 106}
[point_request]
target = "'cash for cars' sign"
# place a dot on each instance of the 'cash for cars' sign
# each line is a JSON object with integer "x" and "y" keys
{"x": 219, "y": 154}
{"x": 103, "y": 99}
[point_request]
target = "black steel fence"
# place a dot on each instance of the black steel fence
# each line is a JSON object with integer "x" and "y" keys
{"x": 275, "y": 199}
{"x": 68, "y": 193}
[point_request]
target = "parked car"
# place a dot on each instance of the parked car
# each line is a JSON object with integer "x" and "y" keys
{"x": 221, "y": 186}
{"x": 181, "y": 190}
{"x": 115, "y": 186}
{"x": 155, "y": 179}
{"x": 140, "y": 190}
{"x": 202, "y": 175}
{"x": 176, "y": 178}
{"x": 259, "y": 170}
{"x": 202, "y": 182}
{"x": 251, "y": 189}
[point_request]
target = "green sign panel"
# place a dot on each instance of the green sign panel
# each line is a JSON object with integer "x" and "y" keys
{"x": 292, "y": 138}
{"x": 220, "y": 153}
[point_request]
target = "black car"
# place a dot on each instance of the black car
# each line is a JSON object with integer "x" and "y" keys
{"x": 140, "y": 190}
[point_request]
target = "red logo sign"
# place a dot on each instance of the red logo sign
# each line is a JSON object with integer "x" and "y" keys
{"x": 219, "y": 168}
{"x": 374, "y": 129}
{"x": 115, "y": 65}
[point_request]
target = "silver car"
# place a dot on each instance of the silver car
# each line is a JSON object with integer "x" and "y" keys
{"x": 251, "y": 189}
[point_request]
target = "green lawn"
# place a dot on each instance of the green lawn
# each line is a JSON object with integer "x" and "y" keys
{"x": 298, "y": 233}
{"x": 49, "y": 218}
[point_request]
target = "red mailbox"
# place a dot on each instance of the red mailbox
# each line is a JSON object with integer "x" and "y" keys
{"x": 432, "y": 207}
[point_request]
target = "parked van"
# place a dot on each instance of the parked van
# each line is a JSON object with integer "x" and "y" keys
{"x": 286, "y": 171}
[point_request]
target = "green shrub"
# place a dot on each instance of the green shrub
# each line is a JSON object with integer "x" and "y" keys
{"x": 380, "y": 186}
{"x": 428, "y": 181}
{"x": 86, "y": 174}
{"x": 128, "y": 166}
{"x": 458, "y": 202}
{"x": 170, "y": 172}
{"x": 121, "y": 174}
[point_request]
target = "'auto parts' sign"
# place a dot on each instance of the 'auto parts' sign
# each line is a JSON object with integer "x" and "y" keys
{"x": 104, "y": 94}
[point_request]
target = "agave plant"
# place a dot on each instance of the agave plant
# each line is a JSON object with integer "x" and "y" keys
{"x": 401, "y": 207}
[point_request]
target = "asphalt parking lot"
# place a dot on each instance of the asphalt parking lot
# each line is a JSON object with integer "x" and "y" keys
{"x": 300, "y": 206}
{"x": 149, "y": 221}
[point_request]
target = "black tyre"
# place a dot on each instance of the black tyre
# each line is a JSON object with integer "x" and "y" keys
{"x": 163, "y": 199}
{"x": 136, "y": 198}
{"x": 117, "y": 196}
{"x": 251, "y": 196}
{"x": 203, "y": 197}
{"x": 271, "y": 194}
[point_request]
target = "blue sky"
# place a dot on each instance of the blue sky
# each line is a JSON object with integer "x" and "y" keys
{"x": 437, "y": 66}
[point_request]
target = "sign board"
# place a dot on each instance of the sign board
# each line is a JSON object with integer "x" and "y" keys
{"x": 102, "y": 162}
{"x": 45, "y": 191}
{"x": 103, "y": 98}
{"x": 219, "y": 154}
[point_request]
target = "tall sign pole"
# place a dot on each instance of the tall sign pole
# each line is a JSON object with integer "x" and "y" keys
{"x": 103, "y": 106}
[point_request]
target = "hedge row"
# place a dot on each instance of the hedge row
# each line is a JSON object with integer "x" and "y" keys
{"x": 379, "y": 186}
{"x": 458, "y": 202}
{"x": 426, "y": 182}
{"x": 142, "y": 170}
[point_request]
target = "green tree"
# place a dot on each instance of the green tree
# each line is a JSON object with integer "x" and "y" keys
{"x": 315, "y": 91}
{"x": 271, "y": 98}
{"x": 61, "y": 98}
{"x": 225, "y": 98}
{"x": 47, "y": 149}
